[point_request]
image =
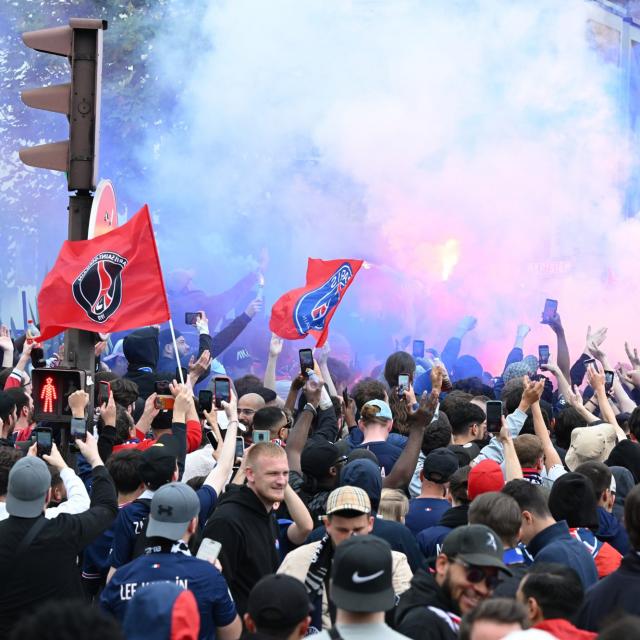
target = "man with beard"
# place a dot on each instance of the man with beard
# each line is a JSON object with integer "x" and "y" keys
{"x": 24, "y": 413}
{"x": 466, "y": 573}
{"x": 248, "y": 404}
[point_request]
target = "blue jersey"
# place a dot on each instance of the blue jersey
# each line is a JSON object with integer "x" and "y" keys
{"x": 131, "y": 520}
{"x": 424, "y": 513}
{"x": 201, "y": 578}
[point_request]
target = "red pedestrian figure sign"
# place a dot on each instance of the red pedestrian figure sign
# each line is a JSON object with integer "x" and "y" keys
{"x": 48, "y": 394}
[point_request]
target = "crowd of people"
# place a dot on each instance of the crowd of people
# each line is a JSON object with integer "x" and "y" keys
{"x": 331, "y": 501}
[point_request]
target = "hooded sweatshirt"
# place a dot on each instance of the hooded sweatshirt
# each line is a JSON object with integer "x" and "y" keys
{"x": 611, "y": 531}
{"x": 430, "y": 540}
{"x": 249, "y": 538}
{"x": 141, "y": 350}
{"x": 426, "y": 612}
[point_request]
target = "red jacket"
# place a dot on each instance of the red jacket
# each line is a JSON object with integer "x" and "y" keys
{"x": 194, "y": 439}
{"x": 564, "y": 630}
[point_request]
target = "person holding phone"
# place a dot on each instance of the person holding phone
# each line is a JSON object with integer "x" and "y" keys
{"x": 172, "y": 522}
{"x": 38, "y": 556}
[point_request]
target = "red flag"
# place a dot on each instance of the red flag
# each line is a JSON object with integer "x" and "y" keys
{"x": 110, "y": 283}
{"x": 309, "y": 309}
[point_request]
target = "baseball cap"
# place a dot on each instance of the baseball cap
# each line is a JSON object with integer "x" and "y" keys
{"x": 439, "y": 465}
{"x": 476, "y": 544}
{"x": 161, "y": 610}
{"x": 159, "y": 461}
{"x": 348, "y": 499}
{"x": 384, "y": 409}
{"x": 361, "y": 575}
{"x": 318, "y": 457}
{"x": 172, "y": 507}
{"x": 29, "y": 480}
{"x": 278, "y": 602}
{"x": 484, "y": 477}
{"x": 590, "y": 443}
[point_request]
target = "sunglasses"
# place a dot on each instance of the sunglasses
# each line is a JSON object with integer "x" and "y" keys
{"x": 476, "y": 574}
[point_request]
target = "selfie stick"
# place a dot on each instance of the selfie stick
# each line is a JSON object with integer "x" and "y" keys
{"x": 175, "y": 350}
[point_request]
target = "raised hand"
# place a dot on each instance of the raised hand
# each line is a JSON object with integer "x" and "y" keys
{"x": 275, "y": 346}
{"x": 200, "y": 366}
{"x": 634, "y": 359}
{"x": 466, "y": 324}
{"x": 523, "y": 330}
{"x": 532, "y": 391}
{"x": 254, "y": 307}
{"x": 595, "y": 337}
{"x": 6, "y": 344}
{"x": 595, "y": 378}
{"x": 322, "y": 354}
{"x": 555, "y": 322}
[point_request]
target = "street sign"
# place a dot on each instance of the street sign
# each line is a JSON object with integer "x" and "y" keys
{"x": 104, "y": 213}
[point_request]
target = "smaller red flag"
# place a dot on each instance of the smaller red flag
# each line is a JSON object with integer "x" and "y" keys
{"x": 309, "y": 309}
{"x": 110, "y": 283}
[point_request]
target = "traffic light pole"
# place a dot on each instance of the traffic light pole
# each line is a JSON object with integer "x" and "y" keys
{"x": 79, "y": 345}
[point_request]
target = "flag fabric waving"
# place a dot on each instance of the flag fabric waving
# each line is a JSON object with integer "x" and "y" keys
{"x": 110, "y": 283}
{"x": 309, "y": 309}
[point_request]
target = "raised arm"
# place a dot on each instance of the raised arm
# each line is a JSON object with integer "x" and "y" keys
{"x": 551, "y": 456}
{"x": 512, "y": 468}
{"x": 322, "y": 357}
{"x": 275, "y": 349}
{"x": 219, "y": 475}
{"x": 596, "y": 380}
{"x": 300, "y": 433}
{"x": 302, "y": 524}
{"x": 563, "y": 359}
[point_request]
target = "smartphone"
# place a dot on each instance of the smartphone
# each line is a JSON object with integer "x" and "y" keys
{"x": 104, "y": 391}
{"x": 221, "y": 391}
{"x": 306, "y": 360}
{"x": 543, "y": 354}
{"x": 209, "y": 550}
{"x": 418, "y": 348}
{"x": 205, "y": 400}
{"x": 239, "y": 446}
{"x": 345, "y": 397}
{"x": 165, "y": 403}
{"x": 403, "y": 384}
{"x": 44, "y": 440}
{"x": 494, "y": 416}
{"x": 37, "y": 357}
{"x": 162, "y": 387}
{"x": 608, "y": 380}
{"x": 191, "y": 317}
{"x": 550, "y": 309}
{"x": 78, "y": 432}
{"x": 260, "y": 435}
{"x": 213, "y": 441}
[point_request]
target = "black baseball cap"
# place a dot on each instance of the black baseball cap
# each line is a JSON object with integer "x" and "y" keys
{"x": 361, "y": 575}
{"x": 278, "y": 602}
{"x": 159, "y": 461}
{"x": 318, "y": 457}
{"x": 439, "y": 465}
{"x": 475, "y": 544}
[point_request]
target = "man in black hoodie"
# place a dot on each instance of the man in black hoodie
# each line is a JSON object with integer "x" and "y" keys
{"x": 466, "y": 573}
{"x": 245, "y": 525}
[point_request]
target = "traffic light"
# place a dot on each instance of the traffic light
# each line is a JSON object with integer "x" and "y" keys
{"x": 51, "y": 391}
{"x": 79, "y": 100}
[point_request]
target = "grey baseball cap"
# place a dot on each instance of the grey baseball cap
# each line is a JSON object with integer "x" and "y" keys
{"x": 172, "y": 507}
{"x": 29, "y": 480}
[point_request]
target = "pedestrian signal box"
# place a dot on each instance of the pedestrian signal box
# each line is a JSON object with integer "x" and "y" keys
{"x": 51, "y": 391}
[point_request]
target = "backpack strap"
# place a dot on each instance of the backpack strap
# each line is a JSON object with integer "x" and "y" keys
{"x": 334, "y": 634}
{"x": 35, "y": 529}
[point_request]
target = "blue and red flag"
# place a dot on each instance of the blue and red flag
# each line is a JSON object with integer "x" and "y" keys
{"x": 309, "y": 309}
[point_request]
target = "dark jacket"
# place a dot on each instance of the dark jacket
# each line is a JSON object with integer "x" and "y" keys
{"x": 615, "y": 595}
{"x": 611, "y": 531}
{"x": 556, "y": 544}
{"x": 47, "y": 570}
{"x": 415, "y": 616}
{"x": 430, "y": 540}
{"x": 249, "y": 538}
{"x": 626, "y": 454}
